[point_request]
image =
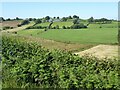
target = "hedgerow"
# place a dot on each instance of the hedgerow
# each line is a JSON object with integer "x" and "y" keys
{"x": 28, "y": 65}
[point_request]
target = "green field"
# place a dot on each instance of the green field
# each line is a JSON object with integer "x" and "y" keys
{"x": 60, "y": 24}
{"x": 48, "y": 58}
{"x": 112, "y": 25}
{"x": 56, "y": 23}
{"x": 30, "y": 32}
{"x": 67, "y": 24}
{"x": 43, "y": 24}
{"x": 103, "y": 35}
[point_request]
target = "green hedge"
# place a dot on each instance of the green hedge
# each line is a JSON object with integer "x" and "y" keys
{"x": 30, "y": 65}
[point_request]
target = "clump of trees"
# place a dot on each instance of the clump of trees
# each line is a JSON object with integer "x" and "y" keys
{"x": 37, "y": 21}
{"x": 24, "y": 22}
{"x": 75, "y": 16}
{"x": 91, "y": 20}
{"x": 58, "y": 17}
{"x": 63, "y": 27}
{"x": 64, "y": 19}
{"x": 103, "y": 21}
{"x": 99, "y": 21}
{"x": 78, "y": 26}
{"x": 8, "y": 19}
{"x": 70, "y": 17}
{"x": 47, "y": 18}
{"x": 36, "y": 27}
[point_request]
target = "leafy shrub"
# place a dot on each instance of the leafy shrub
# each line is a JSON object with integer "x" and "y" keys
{"x": 63, "y": 27}
{"x": 24, "y": 22}
{"x": 7, "y": 27}
{"x": 30, "y": 65}
{"x": 37, "y": 21}
{"x": 36, "y": 27}
{"x": 45, "y": 29}
{"x": 78, "y": 26}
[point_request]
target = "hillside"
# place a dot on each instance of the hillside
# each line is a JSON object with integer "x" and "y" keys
{"x": 13, "y": 23}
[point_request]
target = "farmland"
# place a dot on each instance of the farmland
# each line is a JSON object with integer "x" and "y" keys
{"x": 69, "y": 23}
{"x": 65, "y": 44}
{"x": 44, "y": 56}
{"x": 104, "y": 35}
{"x": 13, "y": 23}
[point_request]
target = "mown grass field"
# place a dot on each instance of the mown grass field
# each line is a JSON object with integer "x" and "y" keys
{"x": 67, "y": 24}
{"x": 112, "y": 25}
{"x": 94, "y": 36}
{"x": 95, "y": 33}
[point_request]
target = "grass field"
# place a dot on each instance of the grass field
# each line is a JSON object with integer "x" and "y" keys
{"x": 56, "y": 23}
{"x": 96, "y": 36}
{"x": 60, "y": 24}
{"x": 112, "y": 25}
{"x": 31, "y": 32}
{"x": 50, "y": 44}
{"x": 67, "y": 24}
{"x": 43, "y": 24}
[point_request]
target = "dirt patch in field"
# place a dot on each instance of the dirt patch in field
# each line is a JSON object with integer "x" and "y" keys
{"x": 101, "y": 51}
{"x": 10, "y": 23}
{"x": 18, "y": 28}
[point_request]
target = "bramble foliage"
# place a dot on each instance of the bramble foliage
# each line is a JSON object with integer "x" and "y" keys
{"x": 30, "y": 65}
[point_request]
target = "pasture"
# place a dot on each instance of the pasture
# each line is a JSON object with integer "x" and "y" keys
{"x": 111, "y": 25}
{"x": 46, "y": 45}
{"x": 85, "y": 36}
{"x": 39, "y": 54}
{"x": 60, "y": 23}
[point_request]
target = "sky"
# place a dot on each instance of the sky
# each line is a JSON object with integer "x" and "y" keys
{"x": 62, "y": 9}
{"x": 59, "y": 0}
